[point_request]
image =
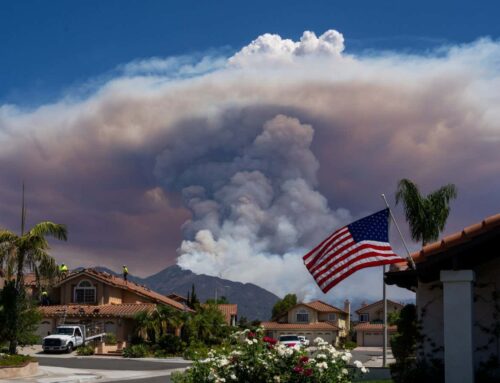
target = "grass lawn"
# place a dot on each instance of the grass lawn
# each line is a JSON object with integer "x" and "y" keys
{"x": 14, "y": 360}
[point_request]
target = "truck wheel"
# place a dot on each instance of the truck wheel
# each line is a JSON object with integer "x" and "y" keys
{"x": 69, "y": 348}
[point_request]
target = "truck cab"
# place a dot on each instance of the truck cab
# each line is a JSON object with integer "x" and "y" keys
{"x": 65, "y": 338}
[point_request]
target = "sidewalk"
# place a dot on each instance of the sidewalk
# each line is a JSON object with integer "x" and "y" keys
{"x": 48, "y": 374}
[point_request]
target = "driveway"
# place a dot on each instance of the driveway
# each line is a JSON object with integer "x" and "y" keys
{"x": 371, "y": 356}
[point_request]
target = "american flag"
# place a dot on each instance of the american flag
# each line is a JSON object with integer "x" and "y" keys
{"x": 364, "y": 243}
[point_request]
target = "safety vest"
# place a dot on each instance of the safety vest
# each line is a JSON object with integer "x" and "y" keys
{"x": 63, "y": 268}
{"x": 44, "y": 293}
{"x": 125, "y": 270}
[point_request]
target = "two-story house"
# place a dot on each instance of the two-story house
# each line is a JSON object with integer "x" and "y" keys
{"x": 369, "y": 330}
{"x": 101, "y": 300}
{"x": 312, "y": 320}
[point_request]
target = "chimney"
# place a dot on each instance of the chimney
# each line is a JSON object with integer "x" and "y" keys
{"x": 347, "y": 309}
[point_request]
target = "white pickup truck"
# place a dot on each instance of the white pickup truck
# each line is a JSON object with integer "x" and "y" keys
{"x": 67, "y": 337}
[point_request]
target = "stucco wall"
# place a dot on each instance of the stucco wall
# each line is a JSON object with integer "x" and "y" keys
{"x": 430, "y": 309}
{"x": 292, "y": 314}
{"x": 376, "y": 312}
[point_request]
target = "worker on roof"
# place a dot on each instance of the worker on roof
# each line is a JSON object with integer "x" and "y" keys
{"x": 125, "y": 272}
{"x": 63, "y": 269}
{"x": 45, "y": 298}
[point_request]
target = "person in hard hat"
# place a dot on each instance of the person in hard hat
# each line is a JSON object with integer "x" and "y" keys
{"x": 45, "y": 298}
{"x": 63, "y": 268}
{"x": 125, "y": 272}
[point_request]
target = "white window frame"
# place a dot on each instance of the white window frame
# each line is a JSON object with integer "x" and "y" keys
{"x": 332, "y": 317}
{"x": 85, "y": 289}
{"x": 302, "y": 312}
{"x": 364, "y": 315}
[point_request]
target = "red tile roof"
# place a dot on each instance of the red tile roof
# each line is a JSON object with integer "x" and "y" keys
{"x": 455, "y": 239}
{"x": 127, "y": 285}
{"x": 299, "y": 326}
{"x": 228, "y": 310}
{"x": 373, "y": 327}
{"x": 323, "y": 307}
{"x": 364, "y": 308}
{"x": 118, "y": 310}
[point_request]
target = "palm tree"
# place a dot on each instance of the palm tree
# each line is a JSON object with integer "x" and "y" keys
{"x": 30, "y": 251}
{"x": 426, "y": 215}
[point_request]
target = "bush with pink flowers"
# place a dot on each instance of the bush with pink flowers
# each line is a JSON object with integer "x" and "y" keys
{"x": 252, "y": 358}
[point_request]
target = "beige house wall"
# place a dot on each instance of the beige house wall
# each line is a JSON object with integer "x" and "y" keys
{"x": 376, "y": 312}
{"x": 292, "y": 314}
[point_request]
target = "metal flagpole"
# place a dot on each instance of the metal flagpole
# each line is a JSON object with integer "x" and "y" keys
{"x": 384, "y": 353}
{"x": 410, "y": 260}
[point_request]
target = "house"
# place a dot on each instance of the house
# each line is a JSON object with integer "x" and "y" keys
{"x": 457, "y": 285}
{"x": 369, "y": 330}
{"x": 312, "y": 320}
{"x": 102, "y": 301}
{"x": 374, "y": 312}
{"x": 230, "y": 312}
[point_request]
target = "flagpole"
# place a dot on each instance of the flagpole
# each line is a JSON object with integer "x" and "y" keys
{"x": 384, "y": 294}
{"x": 410, "y": 259}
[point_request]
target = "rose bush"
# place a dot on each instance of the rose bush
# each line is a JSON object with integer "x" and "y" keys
{"x": 253, "y": 358}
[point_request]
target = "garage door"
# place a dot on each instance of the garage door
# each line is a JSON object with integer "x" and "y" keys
{"x": 43, "y": 329}
{"x": 373, "y": 339}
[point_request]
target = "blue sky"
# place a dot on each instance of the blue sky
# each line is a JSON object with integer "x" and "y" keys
{"x": 49, "y": 46}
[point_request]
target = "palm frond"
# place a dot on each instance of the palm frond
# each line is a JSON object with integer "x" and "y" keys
{"x": 46, "y": 228}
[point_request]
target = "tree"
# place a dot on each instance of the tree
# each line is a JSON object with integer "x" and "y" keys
{"x": 220, "y": 301}
{"x": 19, "y": 253}
{"x": 18, "y": 316}
{"x": 207, "y": 325}
{"x": 426, "y": 215}
{"x": 283, "y": 305}
{"x": 194, "y": 299}
{"x": 29, "y": 251}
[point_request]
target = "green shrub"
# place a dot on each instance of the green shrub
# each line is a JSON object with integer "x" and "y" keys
{"x": 349, "y": 345}
{"x": 195, "y": 351}
{"x": 85, "y": 350}
{"x": 110, "y": 339}
{"x": 170, "y": 344}
{"x": 135, "y": 351}
{"x": 15, "y": 360}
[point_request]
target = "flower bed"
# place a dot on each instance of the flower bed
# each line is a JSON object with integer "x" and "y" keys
{"x": 253, "y": 358}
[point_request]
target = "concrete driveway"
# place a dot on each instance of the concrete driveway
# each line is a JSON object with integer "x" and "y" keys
{"x": 371, "y": 356}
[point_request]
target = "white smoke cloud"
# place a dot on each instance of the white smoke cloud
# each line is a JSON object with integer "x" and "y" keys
{"x": 271, "y": 48}
{"x": 266, "y": 209}
{"x": 256, "y": 158}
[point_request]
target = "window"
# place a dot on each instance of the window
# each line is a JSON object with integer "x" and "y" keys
{"x": 303, "y": 316}
{"x": 85, "y": 292}
{"x": 364, "y": 317}
{"x": 78, "y": 332}
{"x": 332, "y": 317}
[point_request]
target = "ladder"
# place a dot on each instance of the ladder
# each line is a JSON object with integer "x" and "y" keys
{"x": 65, "y": 312}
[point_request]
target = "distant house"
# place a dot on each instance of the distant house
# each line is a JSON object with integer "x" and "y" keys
{"x": 101, "y": 300}
{"x": 230, "y": 312}
{"x": 457, "y": 283}
{"x": 312, "y": 319}
{"x": 369, "y": 330}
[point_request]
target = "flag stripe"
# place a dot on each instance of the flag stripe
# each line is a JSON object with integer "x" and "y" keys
{"x": 356, "y": 268}
{"x": 365, "y": 253}
{"x": 341, "y": 255}
{"x": 342, "y": 246}
{"x": 334, "y": 246}
{"x": 319, "y": 250}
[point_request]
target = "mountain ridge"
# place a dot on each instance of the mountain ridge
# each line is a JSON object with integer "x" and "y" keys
{"x": 173, "y": 279}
